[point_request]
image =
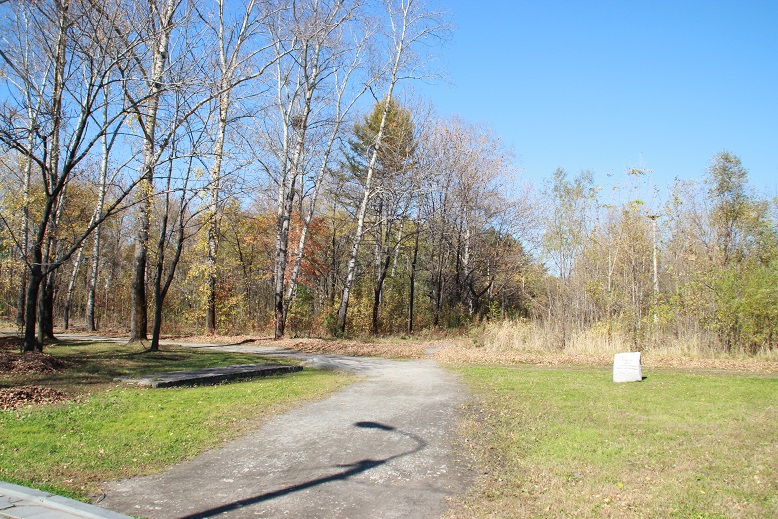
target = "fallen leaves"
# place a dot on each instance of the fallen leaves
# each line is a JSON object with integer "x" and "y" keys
{"x": 12, "y": 362}
{"x": 28, "y": 362}
{"x": 360, "y": 349}
{"x": 14, "y": 397}
{"x": 389, "y": 350}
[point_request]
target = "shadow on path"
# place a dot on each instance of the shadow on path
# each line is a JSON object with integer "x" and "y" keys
{"x": 352, "y": 470}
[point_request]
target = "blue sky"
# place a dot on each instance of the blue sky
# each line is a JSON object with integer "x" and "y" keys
{"x": 606, "y": 86}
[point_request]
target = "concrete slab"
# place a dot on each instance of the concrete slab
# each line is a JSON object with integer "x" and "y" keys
{"x": 207, "y": 376}
{"x": 18, "y": 502}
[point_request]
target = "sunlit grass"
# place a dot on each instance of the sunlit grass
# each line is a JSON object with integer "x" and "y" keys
{"x": 115, "y": 431}
{"x": 570, "y": 443}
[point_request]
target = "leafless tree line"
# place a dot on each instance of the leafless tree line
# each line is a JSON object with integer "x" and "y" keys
{"x": 137, "y": 124}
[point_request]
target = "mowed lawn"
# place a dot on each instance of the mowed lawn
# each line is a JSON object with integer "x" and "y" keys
{"x": 571, "y": 443}
{"x": 110, "y": 430}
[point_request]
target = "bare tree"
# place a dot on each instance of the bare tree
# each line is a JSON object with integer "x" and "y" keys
{"x": 75, "y": 70}
{"x": 175, "y": 219}
{"x": 410, "y": 26}
{"x": 315, "y": 60}
{"x": 150, "y": 41}
{"x": 234, "y": 38}
{"x": 343, "y": 67}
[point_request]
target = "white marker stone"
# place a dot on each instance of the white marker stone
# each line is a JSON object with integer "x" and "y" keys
{"x": 627, "y": 367}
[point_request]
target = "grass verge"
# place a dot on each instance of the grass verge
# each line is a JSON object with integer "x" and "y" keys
{"x": 570, "y": 443}
{"x": 112, "y": 431}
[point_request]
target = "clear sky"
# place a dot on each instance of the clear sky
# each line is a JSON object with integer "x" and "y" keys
{"x": 609, "y": 85}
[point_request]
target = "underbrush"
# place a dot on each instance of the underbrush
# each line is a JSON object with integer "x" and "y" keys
{"x": 528, "y": 342}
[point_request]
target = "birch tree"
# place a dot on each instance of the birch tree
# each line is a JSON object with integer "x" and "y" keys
{"x": 344, "y": 67}
{"x": 238, "y": 50}
{"x": 75, "y": 68}
{"x": 150, "y": 43}
{"x": 313, "y": 65}
{"x": 168, "y": 40}
{"x": 410, "y": 26}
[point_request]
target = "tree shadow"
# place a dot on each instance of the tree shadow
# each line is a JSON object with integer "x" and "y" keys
{"x": 352, "y": 469}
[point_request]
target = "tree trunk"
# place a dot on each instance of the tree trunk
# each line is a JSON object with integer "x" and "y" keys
{"x": 292, "y": 289}
{"x": 213, "y": 216}
{"x": 71, "y": 285}
{"x": 92, "y": 283}
{"x": 46, "y": 290}
{"x": 378, "y": 289}
{"x": 400, "y": 41}
{"x": 367, "y": 193}
{"x": 48, "y": 283}
{"x": 138, "y": 285}
{"x": 31, "y": 342}
{"x": 161, "y": 289}
{"x": 413, "y": 282}
{"x": 25, "y": 233}
{"x": 139, "y": 323}
{"x": 159, "y": 297}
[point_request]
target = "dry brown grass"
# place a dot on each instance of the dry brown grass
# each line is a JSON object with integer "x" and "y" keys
{"x": 513, "y": 343}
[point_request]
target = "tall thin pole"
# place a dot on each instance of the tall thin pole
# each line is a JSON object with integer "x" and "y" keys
{"x": 654, "y": 218}
{"x": 656, "y": 277}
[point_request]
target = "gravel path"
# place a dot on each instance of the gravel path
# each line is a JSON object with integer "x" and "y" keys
{"x": 381, "y": 447}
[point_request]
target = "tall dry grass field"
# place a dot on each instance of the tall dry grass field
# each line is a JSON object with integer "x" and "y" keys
{"x": 531, "y": 342}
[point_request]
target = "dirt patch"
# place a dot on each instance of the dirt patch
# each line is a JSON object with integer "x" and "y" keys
{"x": 359, "y": 349}
{"x": 14, "y": 397}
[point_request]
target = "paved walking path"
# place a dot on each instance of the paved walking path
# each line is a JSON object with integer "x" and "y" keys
{"x": 381, "y": 447}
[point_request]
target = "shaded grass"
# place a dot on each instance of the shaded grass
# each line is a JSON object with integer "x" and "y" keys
{"x": 90, "y": 364}
{"x": 114, "y": 431}
{"x": 569, "y": 442}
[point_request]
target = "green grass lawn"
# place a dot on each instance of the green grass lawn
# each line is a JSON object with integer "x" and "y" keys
{"x": 571, "y": 443}
{"x": 114, "y": 431}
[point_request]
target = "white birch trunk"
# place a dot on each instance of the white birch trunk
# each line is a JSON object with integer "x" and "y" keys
{"x": 401, "y": 42}
{"x": 139, "y": 318}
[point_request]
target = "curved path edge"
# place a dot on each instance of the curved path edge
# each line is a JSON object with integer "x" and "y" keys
{"x": 381, "y": 447}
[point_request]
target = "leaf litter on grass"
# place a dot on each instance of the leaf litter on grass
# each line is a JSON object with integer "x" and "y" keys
{"x": 15, "y": 363}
